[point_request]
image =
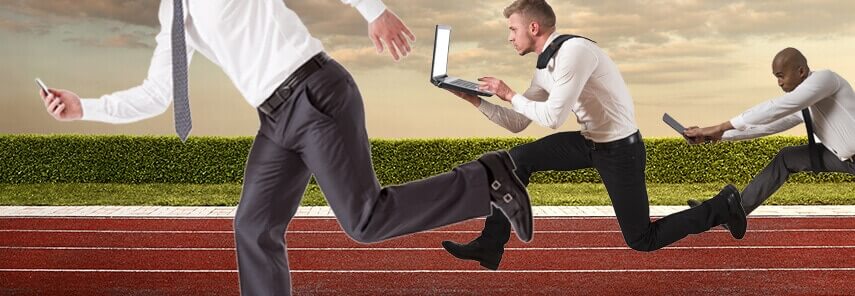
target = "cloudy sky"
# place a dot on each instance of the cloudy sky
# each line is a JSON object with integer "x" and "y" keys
{"x": 702, "y": 61}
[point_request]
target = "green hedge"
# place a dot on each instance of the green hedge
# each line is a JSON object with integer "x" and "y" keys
{"x": 211, "y": 160}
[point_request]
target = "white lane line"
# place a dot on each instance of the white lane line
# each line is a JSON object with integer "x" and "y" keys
{"x": 822, "y": 269}
{"x": 341, "y": 232}
{"x": 759, "y": 217}
{"x": 415, "y": 249}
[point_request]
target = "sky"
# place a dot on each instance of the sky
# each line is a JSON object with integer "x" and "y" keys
{"x": 703, "y": 62}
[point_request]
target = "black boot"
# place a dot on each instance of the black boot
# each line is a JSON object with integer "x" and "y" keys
{"x": 484, "y": 252}
{"x": 508, "y": 193}
{"x": 737, "y": 221}
{"x": 694, "y": 203}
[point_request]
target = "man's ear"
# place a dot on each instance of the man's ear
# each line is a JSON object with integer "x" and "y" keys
{"x": 534, "y": 28}
{"x": 803, "y": 72}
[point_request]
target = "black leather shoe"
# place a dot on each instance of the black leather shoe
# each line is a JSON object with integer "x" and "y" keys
{"x": 508, "y": 193}
{"x": 475, "y": 250}
{"x": 737, "y": 222}
{"x": 694, "y": 203}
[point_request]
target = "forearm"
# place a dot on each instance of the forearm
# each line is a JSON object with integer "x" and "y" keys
{"x": 504, "y": 117}
{"x": 127, "y": 106}
{"x": 753, "y": 132}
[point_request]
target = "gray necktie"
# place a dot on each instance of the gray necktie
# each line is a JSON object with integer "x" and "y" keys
{"x": 179, "y": 74}
{"x": 816, "y": 162}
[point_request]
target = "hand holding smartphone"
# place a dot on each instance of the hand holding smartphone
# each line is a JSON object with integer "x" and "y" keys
{"x": 42, "y": 86}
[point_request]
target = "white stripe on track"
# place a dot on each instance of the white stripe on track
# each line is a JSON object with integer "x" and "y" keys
{"x": 335, "y": 219}
{"x": 419, "y": 249}
{"x": 820, "y": 269}
{"x": 341, "y": 232}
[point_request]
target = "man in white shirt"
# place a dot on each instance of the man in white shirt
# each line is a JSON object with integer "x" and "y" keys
{"x": 576, "y": 77}
{"x": 829, "y": 103}
{"x": 312, "y": 122}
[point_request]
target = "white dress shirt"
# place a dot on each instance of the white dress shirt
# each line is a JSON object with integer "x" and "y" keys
{"x": 580, "y": 79}
{"x": 257, "y": 43}
{"x": 832, "y": 107}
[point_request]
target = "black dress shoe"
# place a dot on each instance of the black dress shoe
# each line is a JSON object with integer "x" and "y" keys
{"x": 475, "y": 250}
{"x": 737, "y": 222}
{"x": 508, "y": 193}
{"x": 694, "y": 203}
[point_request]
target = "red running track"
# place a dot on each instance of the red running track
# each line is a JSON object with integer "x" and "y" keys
{"x": 85, "y": 256}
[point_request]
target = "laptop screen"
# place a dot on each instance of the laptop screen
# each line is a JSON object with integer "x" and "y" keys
{"x": 440, "y": 50}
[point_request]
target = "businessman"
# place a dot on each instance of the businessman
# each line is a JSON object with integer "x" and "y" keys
{"x": 823, "y": 100}
{"x": 312, "y": 122}
{"x": 576, "y": 77}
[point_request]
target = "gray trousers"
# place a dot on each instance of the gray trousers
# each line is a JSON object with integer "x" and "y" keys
{"x": 320, "y": 130}
{"x": 788, "y": 161}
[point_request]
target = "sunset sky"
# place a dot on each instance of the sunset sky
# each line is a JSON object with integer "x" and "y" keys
{"x": 701, "y": 61}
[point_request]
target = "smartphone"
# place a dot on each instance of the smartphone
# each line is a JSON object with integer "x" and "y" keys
{"x": 42, "y": 86}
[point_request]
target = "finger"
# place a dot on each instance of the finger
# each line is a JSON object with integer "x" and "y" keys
{"x": 409, "y": 33}
{"x": 399, "y": 46}
{"x": 59, "y": 110}
{"x": 52, "y": 105}
{"x": 391, "y": 45}
{"x": 405, "y": 43}
{"x": 377, "y": 44}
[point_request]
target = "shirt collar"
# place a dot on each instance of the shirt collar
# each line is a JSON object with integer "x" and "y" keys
{"x": 550, "y": 39}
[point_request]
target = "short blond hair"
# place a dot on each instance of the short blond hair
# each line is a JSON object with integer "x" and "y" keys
{"x": 535, "y": 10}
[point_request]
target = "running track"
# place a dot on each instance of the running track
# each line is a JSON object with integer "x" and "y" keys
{"x": 569, "y": 255}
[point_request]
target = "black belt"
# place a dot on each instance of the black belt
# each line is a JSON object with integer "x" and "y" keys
{"x": 631, "y": 139}
{"x": 283, "y": 92}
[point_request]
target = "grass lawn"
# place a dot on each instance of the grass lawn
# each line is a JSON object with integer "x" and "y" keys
{"x": 576, "y": 194}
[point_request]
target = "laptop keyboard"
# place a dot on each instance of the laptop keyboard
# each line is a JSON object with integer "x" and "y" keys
{"x": 464, "y": 84}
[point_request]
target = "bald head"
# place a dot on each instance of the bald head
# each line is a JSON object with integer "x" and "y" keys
{"x": 790, "y": 58}
{"x": 791, "y": 68}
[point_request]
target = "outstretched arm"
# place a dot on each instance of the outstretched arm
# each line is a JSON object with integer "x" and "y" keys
{"x": 384, "y": 27}
{"x": 153, "y": 96}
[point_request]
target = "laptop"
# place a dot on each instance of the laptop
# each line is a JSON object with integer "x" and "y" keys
{"x": 439, "y": 67}
{"x": 675, "y": 125}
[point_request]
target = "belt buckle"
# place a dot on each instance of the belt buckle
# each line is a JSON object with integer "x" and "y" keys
{"x": 275, "y": 101}
{"x": 592, "y": 145}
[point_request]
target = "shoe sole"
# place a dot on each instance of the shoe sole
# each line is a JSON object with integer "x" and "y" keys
{"x": 484, "y": 263}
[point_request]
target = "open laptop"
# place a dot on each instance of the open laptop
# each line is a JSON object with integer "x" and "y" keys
{"x": 439, "y": 67}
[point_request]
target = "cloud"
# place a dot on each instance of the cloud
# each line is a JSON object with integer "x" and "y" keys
{"x": 136, "y": 12}
{"x": 122, "y": 40}
{"x": 20, "y": 26}
{"x": 643, "y": 36}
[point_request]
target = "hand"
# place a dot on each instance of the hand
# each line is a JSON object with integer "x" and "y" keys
{"x": 472, "y": 99}
{"x": 497, "y": 87}
{"x": 709, "y": 134}
{"x": 389, "y": 29}
{"x": 63, "y": 105}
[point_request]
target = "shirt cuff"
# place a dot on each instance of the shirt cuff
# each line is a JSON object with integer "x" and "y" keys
{"x": 519, "y": 102}
{"x": 93, "y": 110}
{"x": 370, "y": 9}
{"x": 738, "y": 123}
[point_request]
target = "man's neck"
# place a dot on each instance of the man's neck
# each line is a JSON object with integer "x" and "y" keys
{"x": 540, "y": 42}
